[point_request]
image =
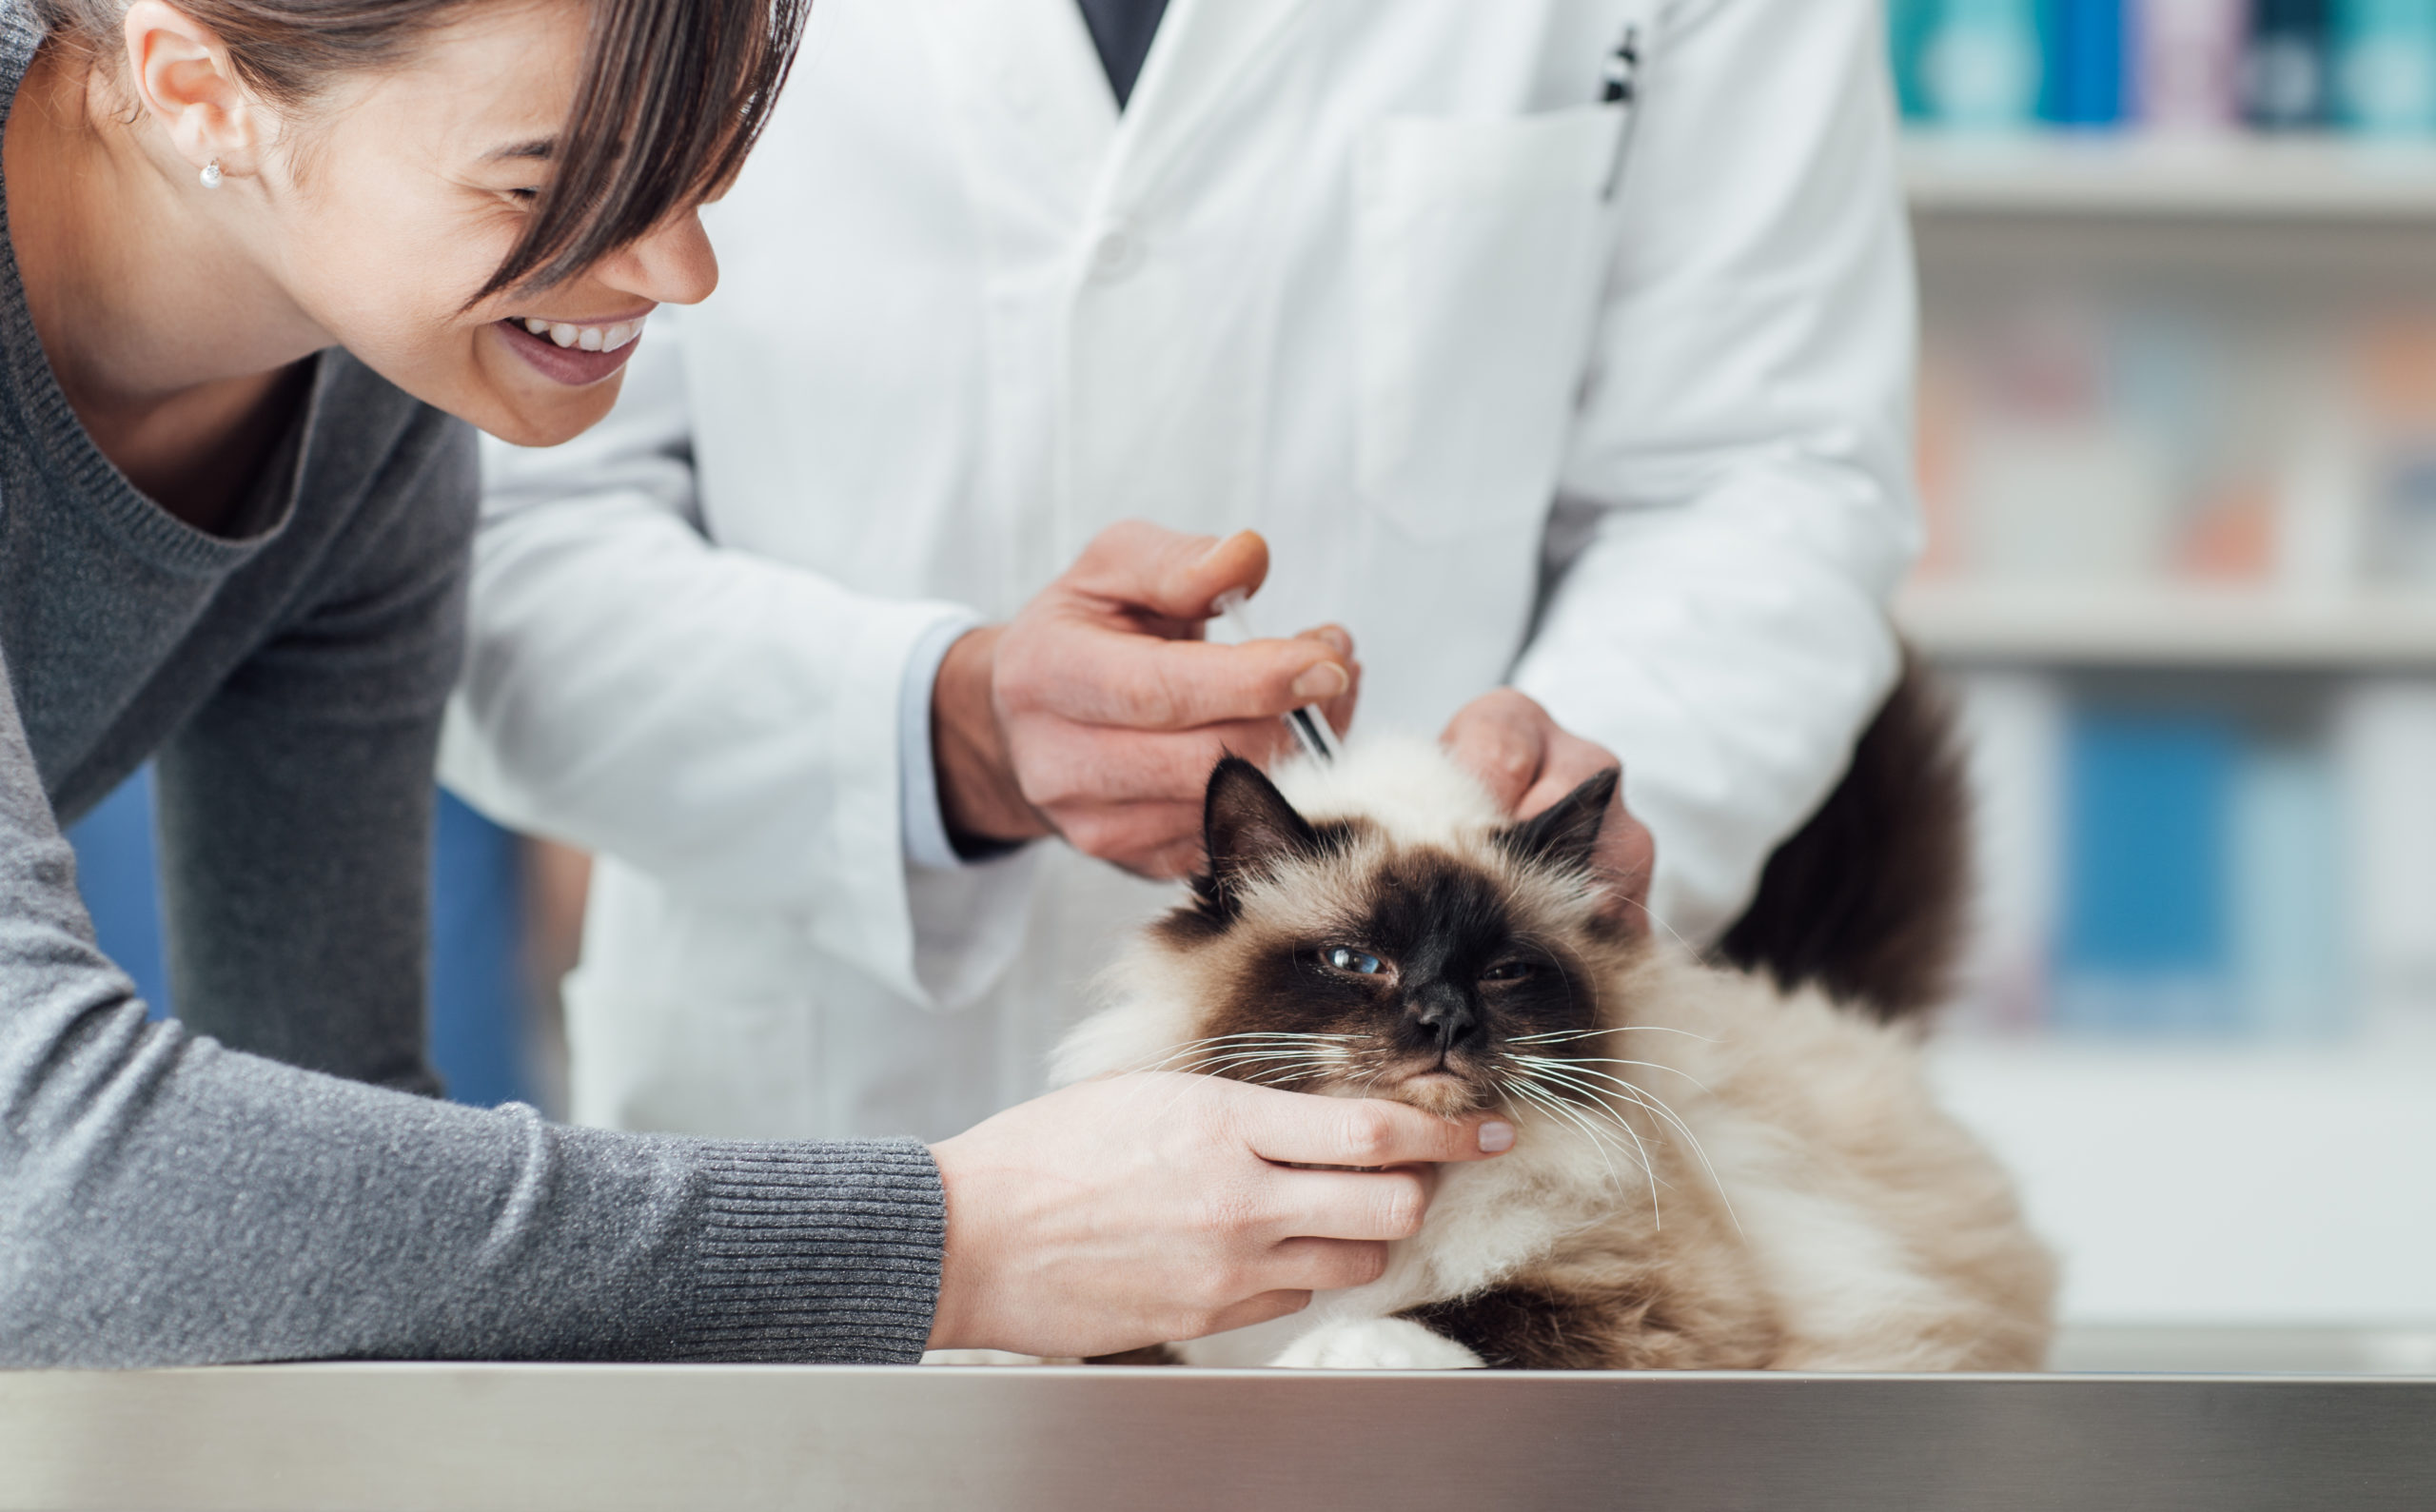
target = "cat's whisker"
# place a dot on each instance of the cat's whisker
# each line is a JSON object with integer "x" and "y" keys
{"x": 1192, "y": 1047}
{"x": 1585, "y": 1062}
{"x": 1251, "y": 1062}
{"x": 1576, "y": 1116}
{"x": 1296, "y": 1034}
{"x": 1672, "y": 932}
{"x": 1259, "y": 1052}
{"x": 1657, "y": 1106}
{"x": 1556, "y": 1108}
{"x": 1615, "y": 1115}
{"x": 1228, "y": 1051}
{"x": 1598, "y": 1104}
{"x": 1284, "y": 1076}
{"x": 1277, "y": 1063}
{"x": 1555, "y": 1035}
{"x": 1271, "y": 1070}
{"x": 1582, "y": 1069}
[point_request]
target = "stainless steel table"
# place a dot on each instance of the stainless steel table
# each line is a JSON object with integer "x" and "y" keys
{"x": 604, "y": 1438}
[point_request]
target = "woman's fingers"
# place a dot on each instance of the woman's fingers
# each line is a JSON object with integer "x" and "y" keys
{"x": 1353, "y": 1204}
{"x": 1292, "y": 1129}
{"x": 1325, "y": 1265}
{"x": 1263, "y": 1309}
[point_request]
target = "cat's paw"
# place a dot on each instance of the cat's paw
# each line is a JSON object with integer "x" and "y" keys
{"x": 1375, "y": 1343}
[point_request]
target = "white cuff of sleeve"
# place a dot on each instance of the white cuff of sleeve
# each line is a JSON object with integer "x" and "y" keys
{"x": 924, "y": 824}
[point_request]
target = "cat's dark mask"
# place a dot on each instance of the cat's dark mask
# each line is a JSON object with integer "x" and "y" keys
{"x": 1416, "y": 963}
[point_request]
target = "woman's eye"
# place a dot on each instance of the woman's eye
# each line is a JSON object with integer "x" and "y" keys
{"x": 1361, "y": 963}
{"x": 523, "y": 196}
{"x": 1507, "y": 971}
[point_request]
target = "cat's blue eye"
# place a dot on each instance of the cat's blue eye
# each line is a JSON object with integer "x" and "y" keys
{"x": 1507, "y": 971}
{"x": 1361, "y": 963}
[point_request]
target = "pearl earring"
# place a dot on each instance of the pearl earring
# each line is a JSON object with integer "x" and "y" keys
{"x": 211, "y": 175}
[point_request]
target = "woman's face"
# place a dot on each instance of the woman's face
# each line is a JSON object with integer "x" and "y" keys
{"x": 406, "y": 189}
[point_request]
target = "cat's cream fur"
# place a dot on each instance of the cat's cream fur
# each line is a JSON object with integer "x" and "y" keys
{"x": 1802, "y": 1204}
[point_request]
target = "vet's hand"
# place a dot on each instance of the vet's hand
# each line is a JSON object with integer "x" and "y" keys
{"x": 1153, "y": 1208}
{"x": 1098, "y": 713}
{"x": 1529, "y": 761}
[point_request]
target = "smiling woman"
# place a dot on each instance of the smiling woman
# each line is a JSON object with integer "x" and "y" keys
{"x": 259, "y": 263}
{"x": 421, "y": 181}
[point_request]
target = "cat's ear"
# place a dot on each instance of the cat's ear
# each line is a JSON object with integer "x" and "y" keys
{"x": 1566, "y": 834}
{"x": 1247, "y": 826}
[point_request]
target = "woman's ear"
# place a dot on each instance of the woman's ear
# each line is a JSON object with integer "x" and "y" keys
{"x": 181, "y": 75}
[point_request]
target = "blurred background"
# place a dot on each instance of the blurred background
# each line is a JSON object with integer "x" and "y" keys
{"x": 2178, "y": 450}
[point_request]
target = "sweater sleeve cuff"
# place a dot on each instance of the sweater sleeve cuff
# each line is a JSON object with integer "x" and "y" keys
{"x": 815, "y": 1253}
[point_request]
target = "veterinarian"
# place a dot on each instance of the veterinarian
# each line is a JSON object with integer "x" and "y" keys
{"x": 1557, "y": 350}
{"x": 264, "y": 261}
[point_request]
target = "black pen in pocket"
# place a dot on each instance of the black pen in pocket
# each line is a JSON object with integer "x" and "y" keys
{"x": 1620, "y": 86}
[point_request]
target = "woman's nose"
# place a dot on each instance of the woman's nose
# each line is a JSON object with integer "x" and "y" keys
{"x": 672, "y": 263}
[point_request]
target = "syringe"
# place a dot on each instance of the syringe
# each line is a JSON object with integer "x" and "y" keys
{"x": 1310, "y": 723}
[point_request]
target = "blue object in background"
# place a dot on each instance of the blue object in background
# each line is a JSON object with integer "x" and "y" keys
{"x": 2288, "y": 892}
{"x": 2085, "y": 81}
{"x": 2385, "y": 67}
{"x": 114, "y": 872}
{"x": 477, "y": 918}
{"x": 2145, "y": 935}
{"x": 477, "y": 983}
{"x": 1974, "y": 65}
{"x": 1908, "y": 24}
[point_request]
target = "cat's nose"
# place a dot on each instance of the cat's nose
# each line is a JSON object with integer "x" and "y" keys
{"x": 1447, "y": 1012}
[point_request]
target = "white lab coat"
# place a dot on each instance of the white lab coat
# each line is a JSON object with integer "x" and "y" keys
{"x": 1344, "y": 273}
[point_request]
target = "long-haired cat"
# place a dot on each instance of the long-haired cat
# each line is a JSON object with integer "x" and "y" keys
{"x": 1712, "y": 1172}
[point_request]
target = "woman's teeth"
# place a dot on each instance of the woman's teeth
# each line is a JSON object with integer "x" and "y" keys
{"x": 590, "y": 338}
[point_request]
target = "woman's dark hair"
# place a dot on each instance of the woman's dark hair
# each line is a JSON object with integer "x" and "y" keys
{"x": 674, "y": 94}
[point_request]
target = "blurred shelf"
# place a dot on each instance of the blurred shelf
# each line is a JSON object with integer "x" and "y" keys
{"x": 2266, "y": 1184}
{"x": 2168, "y": 626}
{"x": 2266, "y": 1351}
{"x": 2118, "y": 177}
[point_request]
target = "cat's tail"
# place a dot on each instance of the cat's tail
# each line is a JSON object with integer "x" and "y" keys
{"x": 1870, "y": 900}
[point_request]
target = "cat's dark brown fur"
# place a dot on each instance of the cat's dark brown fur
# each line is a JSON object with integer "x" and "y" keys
{"x": 1870, "y": 900}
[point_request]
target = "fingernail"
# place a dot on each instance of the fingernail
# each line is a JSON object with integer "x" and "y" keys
{"x": 1496, "y": 1138}
{"x": 1325, "y": 681}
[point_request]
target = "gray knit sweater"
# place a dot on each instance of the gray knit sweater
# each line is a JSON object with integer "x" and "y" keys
{"x": 262, "y": 1182}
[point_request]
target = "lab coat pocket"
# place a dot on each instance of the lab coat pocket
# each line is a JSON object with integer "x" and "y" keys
{"x": 1478, "y": 276}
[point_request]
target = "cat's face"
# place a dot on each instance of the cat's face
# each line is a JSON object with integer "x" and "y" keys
{"x": 1338, "y": 955}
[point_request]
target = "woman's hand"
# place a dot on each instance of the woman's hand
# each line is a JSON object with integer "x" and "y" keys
{"x": 1156, "y": 1208}
{"x": 1529, "y": 761}
{"x": 1099, "y": 712}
